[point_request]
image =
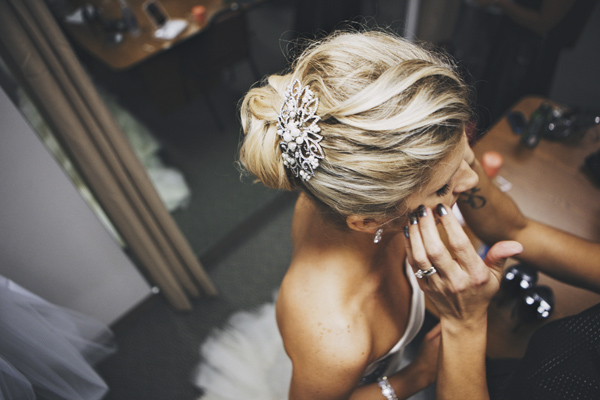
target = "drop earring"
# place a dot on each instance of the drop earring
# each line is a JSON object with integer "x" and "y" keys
{"x": 377, "y": 237}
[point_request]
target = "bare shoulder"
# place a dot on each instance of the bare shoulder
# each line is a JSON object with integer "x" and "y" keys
{"x": 328, "y": 341}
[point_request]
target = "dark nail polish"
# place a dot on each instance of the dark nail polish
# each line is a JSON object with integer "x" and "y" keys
{"x": 441, "y": 210}
{"x": 413, "y": 218}
{"x": 422, "y": 211}
{"x": 406, "y": 232}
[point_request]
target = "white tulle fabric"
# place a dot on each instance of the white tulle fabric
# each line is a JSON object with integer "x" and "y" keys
{"x": 47, "y": 350}
{"x": 246, "y": 360}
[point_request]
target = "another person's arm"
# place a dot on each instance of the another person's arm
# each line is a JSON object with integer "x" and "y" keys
{"x": 495, "y": 216}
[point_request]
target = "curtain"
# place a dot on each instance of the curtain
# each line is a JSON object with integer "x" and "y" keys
{"x": 40, "y": 57}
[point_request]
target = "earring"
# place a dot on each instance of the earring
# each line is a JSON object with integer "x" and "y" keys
{"x": 377, "y": 237}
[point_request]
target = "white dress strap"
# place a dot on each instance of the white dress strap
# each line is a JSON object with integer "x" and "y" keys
{"x": 391, "y": 362}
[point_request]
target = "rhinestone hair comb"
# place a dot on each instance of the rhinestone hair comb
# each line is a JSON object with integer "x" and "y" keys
{"x": 299, "y": 132}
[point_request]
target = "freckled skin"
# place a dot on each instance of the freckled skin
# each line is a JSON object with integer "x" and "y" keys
{"x": 345, "y": 302}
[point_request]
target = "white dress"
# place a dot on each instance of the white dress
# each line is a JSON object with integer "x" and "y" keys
{"x": 392, "y": 361}
{"x": 247, "y": 359}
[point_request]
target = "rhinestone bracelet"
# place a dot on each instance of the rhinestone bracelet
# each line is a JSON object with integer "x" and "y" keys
{"x": 386, "y": 389}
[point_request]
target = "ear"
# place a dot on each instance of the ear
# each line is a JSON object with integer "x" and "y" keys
{"x": 362, "y": 224}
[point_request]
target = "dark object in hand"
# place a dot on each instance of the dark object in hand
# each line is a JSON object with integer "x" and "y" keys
{"x": 535, "y": 304}
{"x": 518, "y": 278}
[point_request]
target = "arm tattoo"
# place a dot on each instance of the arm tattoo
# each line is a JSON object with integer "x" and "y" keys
{"x": 471, "y": 198}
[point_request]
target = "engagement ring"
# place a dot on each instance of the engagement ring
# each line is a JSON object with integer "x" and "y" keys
{"x": 422, "y": 274}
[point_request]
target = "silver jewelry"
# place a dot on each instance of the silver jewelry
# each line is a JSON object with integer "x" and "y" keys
{"x": 298, "y": 129}
{"x": 425, "y": 273}
{"x": 386, "y": 389}
{"x": 377, "y": 237}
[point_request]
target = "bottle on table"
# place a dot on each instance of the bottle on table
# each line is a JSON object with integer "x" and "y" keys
{"x": 129, "y": 18}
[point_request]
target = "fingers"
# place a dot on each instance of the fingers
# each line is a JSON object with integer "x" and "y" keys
{"x": 434, "y": 332}
{"x": 499, "y": 252}
{"x": 459, "y": 242}
{"x": 435, "y": 248}
{"x": 426, "y": 249}
{"x": 415, "y": 250}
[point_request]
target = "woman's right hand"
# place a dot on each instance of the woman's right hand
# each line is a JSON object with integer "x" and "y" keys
{"x": 460, "y": 289}
{"x": 464, "y": 283}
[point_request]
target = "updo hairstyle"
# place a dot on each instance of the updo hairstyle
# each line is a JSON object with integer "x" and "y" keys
{"x": 390, "y": 111}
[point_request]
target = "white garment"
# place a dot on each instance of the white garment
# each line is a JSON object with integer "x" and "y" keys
{"x": 392, "y": 361}
{"x": 48, "y": 349}
{"x": 247, "y": 359}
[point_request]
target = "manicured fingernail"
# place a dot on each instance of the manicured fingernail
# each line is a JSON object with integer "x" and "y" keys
{"x": 406, "y": 231}
{"x": 422, "y": 211}
{"x": 413, "y": 218}
{"x": 441, "y": 210}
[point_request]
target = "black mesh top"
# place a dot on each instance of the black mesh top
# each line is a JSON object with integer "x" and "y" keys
{"x": 562, "y": 361}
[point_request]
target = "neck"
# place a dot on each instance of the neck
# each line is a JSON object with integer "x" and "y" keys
{"x": 328, "y": 237}
{"x": 388, "y": 253}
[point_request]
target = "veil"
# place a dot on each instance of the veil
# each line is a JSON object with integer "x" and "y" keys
{"x": 47, "y": 350}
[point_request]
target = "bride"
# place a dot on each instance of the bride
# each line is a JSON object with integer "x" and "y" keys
{"x": 370, "y": 128}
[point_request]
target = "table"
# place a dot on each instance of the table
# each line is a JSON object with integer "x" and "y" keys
{"x": 172, "y": 71}
{"x": 135, "y": 49}
{"x": 549, "y": 186}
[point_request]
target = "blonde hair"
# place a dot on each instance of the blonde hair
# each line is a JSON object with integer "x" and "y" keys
{"x": 390, "y": 110}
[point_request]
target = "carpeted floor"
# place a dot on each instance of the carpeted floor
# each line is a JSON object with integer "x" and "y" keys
{"x": 159, "y": 349}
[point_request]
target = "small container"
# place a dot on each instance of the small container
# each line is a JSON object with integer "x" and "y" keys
{"x": 129, "y": 19}
{"x": 491, "y": 161}
{"x": 199, "y": 13}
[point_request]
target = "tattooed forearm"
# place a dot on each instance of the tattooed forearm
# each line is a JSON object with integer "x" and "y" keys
{"x": 473, "y": 199}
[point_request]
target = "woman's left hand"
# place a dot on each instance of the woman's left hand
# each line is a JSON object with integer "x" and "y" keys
{"x": 464, "y": 284}
{"x": 426, "y": 360}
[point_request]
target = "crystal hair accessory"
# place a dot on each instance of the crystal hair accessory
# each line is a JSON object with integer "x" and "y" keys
{"x": 299, "y": 132}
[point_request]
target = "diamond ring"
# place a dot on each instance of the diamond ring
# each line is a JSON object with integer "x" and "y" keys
{"x": 425, "y": 273}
